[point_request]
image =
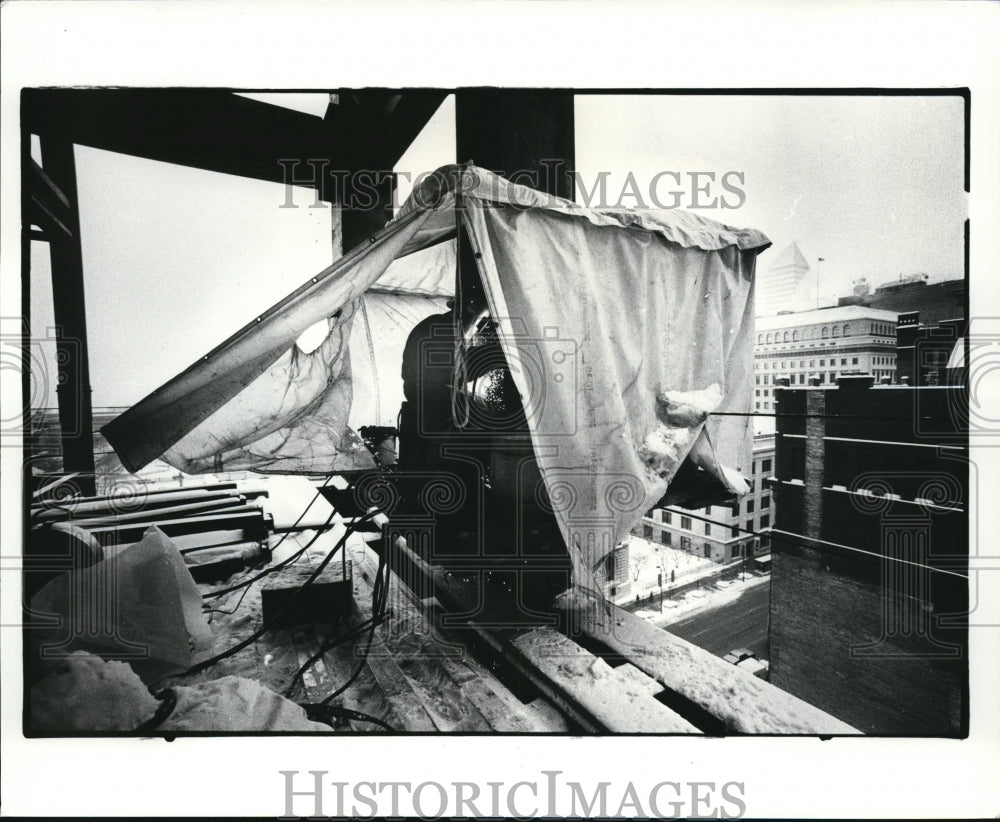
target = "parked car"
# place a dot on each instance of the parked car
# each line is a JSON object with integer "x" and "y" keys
{"x": 747, "y": 660}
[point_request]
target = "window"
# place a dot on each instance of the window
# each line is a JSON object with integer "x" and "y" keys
{"x": 760, "y": 339}
{"x": 767, "y": 406}
{"x": 667, "y": 517}
{"x": 756, "y": 392}
{"x": 647, "y": 531}
{"x": 854, "y": 360}
{"x": 708, "y": 529}
{"x": 784, "y": 337}
{"x": 665, "y": 537}
{"x": 822, "y": 362}
{"x": 686, "y": 523}
{"x": 609, "y": 566}
{"x": 847, "y": 330}
{"x": 765, "y": 502}
{"x": 843, "y": 360}
{"x": 795, "y": 336}
{"x": 686, "y": 543}
{"x": 767, "y": 392}
{"x": 802, "y": 379}
{"x": 812, "y": 363}
{"x": 749, "y": 506}
{"x": 756, "y": 380}
{"x": 765, "y": 521}
{"x": 734, "y": 531}
{"x": 765, "y": 466}
{"x": 836, "y": 331}
{"x": 769, "y": 338}
{"x": 708, "y": 550}
{"x": 826, "y": 332}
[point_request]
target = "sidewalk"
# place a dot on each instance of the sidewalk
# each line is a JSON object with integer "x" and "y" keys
{"x": 654, "y": 559}
{"x": 703, "y": 599}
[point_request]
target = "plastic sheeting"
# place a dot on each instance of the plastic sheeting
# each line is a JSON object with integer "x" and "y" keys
{"x": 620, "y": 342}
{"x": 139, "y": 605}
{"x": 627, "y": 333}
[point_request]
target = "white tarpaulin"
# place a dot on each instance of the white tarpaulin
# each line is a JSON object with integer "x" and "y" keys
{"x": 624, "y": 330}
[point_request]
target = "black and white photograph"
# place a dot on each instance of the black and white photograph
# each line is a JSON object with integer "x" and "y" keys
{"x": 630, "y": 435}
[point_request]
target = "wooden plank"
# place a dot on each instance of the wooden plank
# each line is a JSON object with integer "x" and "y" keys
{"x": 551, "y": 720}
{"x": 615, "y": 701}
{"x": 208, "y": 539}
{"x": 440, "y": 697}
{"x": 229, "y": 505}
{"x": 84, "y": 506}
{"x": 214, "y": 564}
{"x": 644, "y": 681}
{"x": 252, "y": 522}
{"x": 498, "y": 706}
{"x": 738, "y": 701}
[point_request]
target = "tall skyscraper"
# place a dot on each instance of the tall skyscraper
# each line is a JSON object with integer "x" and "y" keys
{"x": 781, "y": 287}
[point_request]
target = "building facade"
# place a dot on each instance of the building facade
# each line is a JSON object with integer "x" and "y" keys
{"x": 936, "y": 302}
{"x": 930, "y": 354}
{"x": 824, "y": 344}
{"x": 722, "y": 533}
{"x": 869, "y": 581}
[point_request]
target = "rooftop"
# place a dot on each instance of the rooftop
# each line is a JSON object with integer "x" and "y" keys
{"x": 833, "y": 314}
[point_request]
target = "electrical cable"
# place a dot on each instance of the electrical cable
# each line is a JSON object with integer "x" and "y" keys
{"x": 379, "y": 599}
{"x": 285, "y": 562}
{"x": 207, "y": 663}
{"x": 774, "y": 534}
{"x": 328, "y": 714}
{"x": 329, "y": 644}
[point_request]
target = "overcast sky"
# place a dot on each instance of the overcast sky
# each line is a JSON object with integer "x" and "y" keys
{"x": 176, "y": 259}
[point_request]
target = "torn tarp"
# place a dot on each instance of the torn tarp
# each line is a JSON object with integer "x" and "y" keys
{"x": 626, "y": 334}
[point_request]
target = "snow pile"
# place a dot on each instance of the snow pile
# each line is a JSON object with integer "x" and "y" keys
{"x": 234, "y": 703}
{"x": 151, "y": 607}
{"x": 681, "y": 415}
{"x": 688, "y": 409}
{"x": 86, "y": 693}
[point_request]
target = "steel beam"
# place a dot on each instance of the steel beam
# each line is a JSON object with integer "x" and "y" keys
{"x": 73, "y": 388}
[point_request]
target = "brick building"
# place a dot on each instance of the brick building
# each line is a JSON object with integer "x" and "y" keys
{"x": 935, "y": 302}
{"x": 721, "y": 533}
{"x": 869, "y": 585}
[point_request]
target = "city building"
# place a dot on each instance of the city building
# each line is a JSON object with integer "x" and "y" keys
{"x": 722, "y": 533}
{"x": 824, "y": 343}
{"x": 936, "y": 302}
{"x": 930, "y": 354}
{"x": 869, "y": 581}
{"x": 780, "y": 287}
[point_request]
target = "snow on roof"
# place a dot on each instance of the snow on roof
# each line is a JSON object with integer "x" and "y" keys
{"x": 834, "y": 314}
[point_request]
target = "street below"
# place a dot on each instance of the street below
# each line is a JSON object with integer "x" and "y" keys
{"x": 741, "y": 623}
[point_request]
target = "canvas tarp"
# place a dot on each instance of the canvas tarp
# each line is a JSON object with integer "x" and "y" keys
{"x": 623, "y": 331}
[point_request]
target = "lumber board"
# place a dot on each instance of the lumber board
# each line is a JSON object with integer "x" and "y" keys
{"x": 155, "y": 514}
{"x": 615, "y": 701}
{"x": 742, "y": 703}
{"x": 415, "y": 654}
{"x": 84, "y": 506}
